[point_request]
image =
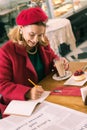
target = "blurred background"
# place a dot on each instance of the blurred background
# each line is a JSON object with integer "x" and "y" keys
{"x": 73, "y": 10}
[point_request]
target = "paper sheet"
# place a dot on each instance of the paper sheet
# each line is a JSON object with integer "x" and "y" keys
{"x": 24, "y": 108}
{"x": 84, "y": 93}
{"x": 48, "y": 116}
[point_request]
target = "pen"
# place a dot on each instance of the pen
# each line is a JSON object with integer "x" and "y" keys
{"x": 32, "y": 82}
{"x": 57, "y": 91}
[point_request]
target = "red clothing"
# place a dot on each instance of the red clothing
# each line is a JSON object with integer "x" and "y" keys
{"x": 16, "y": 68}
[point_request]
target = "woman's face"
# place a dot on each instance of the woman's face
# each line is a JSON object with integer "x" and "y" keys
{"x": 33, "y": 33}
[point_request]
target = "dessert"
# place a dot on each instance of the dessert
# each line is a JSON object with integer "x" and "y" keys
{"x": 79, "y": 75}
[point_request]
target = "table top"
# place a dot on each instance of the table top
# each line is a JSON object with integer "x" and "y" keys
{"x": 68, "y": 101}
{"x": 55, "y": 24}
{"x": 60, "y": 31}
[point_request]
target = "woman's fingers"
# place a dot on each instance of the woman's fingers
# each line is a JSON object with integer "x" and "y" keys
{"x": 66, "y": 63}
{"x": 36, "y": 92}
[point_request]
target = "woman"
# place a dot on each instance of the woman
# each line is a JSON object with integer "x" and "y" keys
{"x": 27, "y": 55}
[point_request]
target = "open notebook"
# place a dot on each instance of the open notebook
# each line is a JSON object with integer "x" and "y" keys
{"x": 24, "y": 108}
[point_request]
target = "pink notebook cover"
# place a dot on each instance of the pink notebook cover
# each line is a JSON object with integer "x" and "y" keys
{"x": 67, "y": 91}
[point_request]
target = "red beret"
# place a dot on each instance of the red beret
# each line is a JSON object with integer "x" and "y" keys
{"x": 30, "y": 16}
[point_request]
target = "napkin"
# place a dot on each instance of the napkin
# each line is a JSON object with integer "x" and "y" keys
{"x": 84, "y": 94}
{"x": 71, "y": 81}
{"x": 66, "y": 91}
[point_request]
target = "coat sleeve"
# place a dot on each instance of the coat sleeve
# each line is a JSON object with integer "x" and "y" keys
{"x": 9, "y": 89}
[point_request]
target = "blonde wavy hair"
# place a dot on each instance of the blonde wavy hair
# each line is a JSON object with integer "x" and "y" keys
{"x": 16, "y": 37}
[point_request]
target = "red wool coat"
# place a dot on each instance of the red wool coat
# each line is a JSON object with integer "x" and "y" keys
{"x": 16, "y": 68}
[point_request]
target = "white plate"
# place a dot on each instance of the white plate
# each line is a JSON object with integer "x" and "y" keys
{"x": 68, "y": 74}
{"x": 72, "y": 81}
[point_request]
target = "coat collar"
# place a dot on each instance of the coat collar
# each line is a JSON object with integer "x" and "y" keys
{"x": 22, "y": 51}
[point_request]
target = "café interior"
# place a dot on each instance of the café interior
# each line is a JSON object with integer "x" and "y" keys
{"x": 72, "y": 30}
{"x": 67, "y": 33}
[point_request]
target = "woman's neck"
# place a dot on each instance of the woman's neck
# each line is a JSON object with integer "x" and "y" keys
{"x": 32, "y": 50}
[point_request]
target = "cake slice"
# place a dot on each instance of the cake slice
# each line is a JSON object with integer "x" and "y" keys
{"x": 79, "y": 75}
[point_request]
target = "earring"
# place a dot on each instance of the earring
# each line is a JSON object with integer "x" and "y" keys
{"x": 20, "y": 31}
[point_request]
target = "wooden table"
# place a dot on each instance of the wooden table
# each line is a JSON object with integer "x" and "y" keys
{"x": 69, "y": 101}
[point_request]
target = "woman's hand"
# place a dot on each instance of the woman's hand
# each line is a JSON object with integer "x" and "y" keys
{"x": 65, "y": 63}
{"x": 35, "y": 92}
